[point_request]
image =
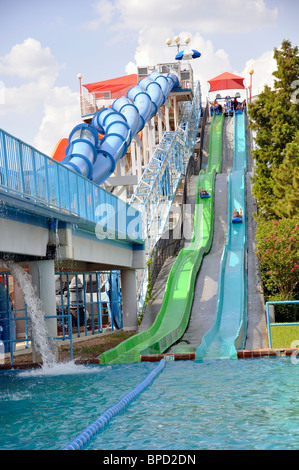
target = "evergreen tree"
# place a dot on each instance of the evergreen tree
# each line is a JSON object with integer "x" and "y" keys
{"x": 286, "y": 182}
{"x": 274, "y": 117}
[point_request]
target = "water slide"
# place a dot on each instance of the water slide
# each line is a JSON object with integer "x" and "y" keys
{"x": 173, "y": 317}
{"x": 96, "y": 158}
{"x": 228, "y": 333}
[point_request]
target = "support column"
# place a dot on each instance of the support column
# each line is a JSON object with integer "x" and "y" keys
{"x": 145, "y": 144}
{"x": 160, "y": 129}
{"x": 175, "y": 110}
{"x": 19, "y": 305}
{"x": 133, "y": 157}
{"x": 138, "y": 157}
{"x": 167, "y": 106}
{"x": 43, "y": 278}
{"x": 129, "y": 296}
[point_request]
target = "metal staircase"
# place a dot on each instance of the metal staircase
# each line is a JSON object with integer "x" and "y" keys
{"x": 156, "y": 190}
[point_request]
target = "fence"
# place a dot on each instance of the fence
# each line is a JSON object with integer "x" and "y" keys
{"x": 28, "y": 174}
{"x": 93, "y": 300}
{"x": 86, "y": 304}
{"x": 271, "y": 320}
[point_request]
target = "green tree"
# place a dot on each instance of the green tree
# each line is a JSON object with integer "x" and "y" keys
{"x": 274, "y": 117}
{"x": 286, "y": 182}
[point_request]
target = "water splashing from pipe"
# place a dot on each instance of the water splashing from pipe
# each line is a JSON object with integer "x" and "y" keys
{"x": 37, "y": 316}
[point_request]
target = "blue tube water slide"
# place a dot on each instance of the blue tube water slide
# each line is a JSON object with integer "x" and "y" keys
{"x": 228, "y": 333}
{"x": 96, "y": 158}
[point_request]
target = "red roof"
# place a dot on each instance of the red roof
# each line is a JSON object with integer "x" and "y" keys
{"x": 226, "y": 81}
{"x": 117, "y": 86}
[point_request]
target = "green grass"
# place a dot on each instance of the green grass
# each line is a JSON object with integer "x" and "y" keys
{"x": 283, "y": 336}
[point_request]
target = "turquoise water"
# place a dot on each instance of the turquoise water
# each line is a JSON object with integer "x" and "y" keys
{"x": 225, "y": 404}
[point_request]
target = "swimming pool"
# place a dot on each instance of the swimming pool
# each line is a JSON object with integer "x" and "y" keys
{"x": 220, "y": 404}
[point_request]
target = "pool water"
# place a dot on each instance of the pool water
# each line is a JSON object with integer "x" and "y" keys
{"x": 220, "y": 404}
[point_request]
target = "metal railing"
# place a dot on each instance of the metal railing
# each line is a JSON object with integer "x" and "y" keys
{"x": 89, "y": 305}
{"x": 27, "y": 174}
{"x": 90, "y": 300}
{"x": 155, "y": 192}
{"x": 92, "y": 102}
{"x": 271, "y": 324}
{"x": 184, "y": 72}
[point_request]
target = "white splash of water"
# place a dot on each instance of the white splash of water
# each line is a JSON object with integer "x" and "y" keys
{"x": 34, "y": 305}
{"x": 63, "y": 368}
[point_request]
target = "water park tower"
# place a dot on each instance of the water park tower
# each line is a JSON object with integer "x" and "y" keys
{"x": 129, "y": 170}
{"x": 129, "y": 154}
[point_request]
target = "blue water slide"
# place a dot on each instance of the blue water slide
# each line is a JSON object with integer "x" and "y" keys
{"x": 228, "y": 333}
{"x": 130, "y": 112}
{"x": 81, "y": 152}
{"x": 113, "y": 146}
{"x": 142, "y": 101}
{"x": 96, "y": 158}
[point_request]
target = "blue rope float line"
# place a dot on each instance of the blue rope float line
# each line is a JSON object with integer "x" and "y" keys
{"x": 94, "y": 428}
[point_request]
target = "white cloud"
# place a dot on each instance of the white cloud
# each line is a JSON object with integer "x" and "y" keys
{"x": 263, "y": 68}
{"x": 211, "y": 63}
{"x": 149, "y": 52}
{"x": 154, "y": 21}
{"x": 61, "y": 114}
{"x": 29, "y": 60}
{"x": 105, "y": 11}
{"x": 36, "y": 107}
{"x": 199, "y": 15}
{"x": 38, "y": 70}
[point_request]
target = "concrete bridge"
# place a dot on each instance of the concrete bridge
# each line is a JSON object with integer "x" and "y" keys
{"x": 52, "y": 217}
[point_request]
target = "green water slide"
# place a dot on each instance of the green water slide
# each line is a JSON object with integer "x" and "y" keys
{"x": 172, "y": 319}
{"x": 228, "y": 333}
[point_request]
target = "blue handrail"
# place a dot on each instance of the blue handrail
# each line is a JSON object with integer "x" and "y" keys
{"x": 269, "y": 324}
{"x": 26, "y": 173}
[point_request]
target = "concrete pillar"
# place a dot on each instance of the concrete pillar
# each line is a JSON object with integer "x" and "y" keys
{"x": 151, "y": 141}
{"x": 167, "y": 105}
{"x": 176, "y": 117}
{"x": 129, "y": 296}
{"x": 138, "y": 157}
{"x": 133, "y": 157}
{"x": 145, "y": 144}
{"x": 43, "y": 278}
{"x": 19, "y": 305}
{"x": 160, "y": 127}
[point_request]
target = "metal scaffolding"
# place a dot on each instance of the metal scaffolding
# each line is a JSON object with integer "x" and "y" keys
{"x": 157, "y": 188}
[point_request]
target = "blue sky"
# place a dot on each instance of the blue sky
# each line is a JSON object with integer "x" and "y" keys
{"x": 45, "y": 44}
